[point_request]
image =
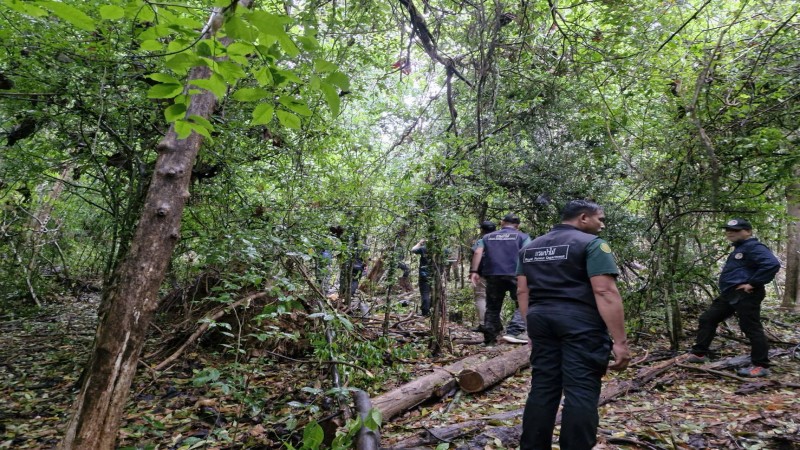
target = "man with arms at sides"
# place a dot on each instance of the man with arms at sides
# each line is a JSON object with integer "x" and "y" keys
{"x": 498, "y": 252}
{"x": 567, "y": 291}
{"x": 749, "y": 267}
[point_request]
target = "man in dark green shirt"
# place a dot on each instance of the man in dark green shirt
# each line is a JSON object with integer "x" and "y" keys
{"x": 567, "y": 290}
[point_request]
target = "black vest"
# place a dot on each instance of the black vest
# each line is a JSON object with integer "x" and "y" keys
{"x": 555, "y": 266}
{"x": 500, "y": 250}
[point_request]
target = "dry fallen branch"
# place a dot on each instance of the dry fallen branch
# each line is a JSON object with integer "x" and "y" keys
{"x": 206, "y": 322}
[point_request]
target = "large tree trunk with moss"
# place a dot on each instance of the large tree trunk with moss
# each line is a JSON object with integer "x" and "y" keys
{"x": 791, "y": 296}
{"x": 132, "y": 297}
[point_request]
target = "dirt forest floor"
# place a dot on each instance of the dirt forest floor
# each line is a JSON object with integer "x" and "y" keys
{"x": 41, "y": 358}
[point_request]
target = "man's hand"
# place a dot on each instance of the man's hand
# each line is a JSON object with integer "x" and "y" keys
{"x": 747, "y": 288}
{"x": 475, "y": 279}
{"x": 622, "y": 356}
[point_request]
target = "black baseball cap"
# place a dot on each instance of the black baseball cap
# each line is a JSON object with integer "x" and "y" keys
{"x": 511, "y": 218}
{"x": 737, "y": 224}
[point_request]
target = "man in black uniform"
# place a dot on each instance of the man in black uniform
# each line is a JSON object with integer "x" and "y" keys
{"x": 499, "y": 249}
{"x": 569, "y": 277}
{"x": 424, "y": 277}
{"x": 749, "y": 267}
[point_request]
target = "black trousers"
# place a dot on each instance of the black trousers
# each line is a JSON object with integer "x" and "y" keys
{"x": 496, "y": 288}
{"x": 570, "y": 353}
{"x": 425, "y": 294}
{"x": 747, "y": 308}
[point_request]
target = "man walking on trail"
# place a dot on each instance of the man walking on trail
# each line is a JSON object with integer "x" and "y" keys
{"x": 487, "y": 226}
{"x": 569, "y": 278}
{"x": 500, "y": 250}
{"x": 748, "y": 269}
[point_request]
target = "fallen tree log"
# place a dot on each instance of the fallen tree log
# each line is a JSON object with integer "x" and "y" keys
{"x": 490, "y": 372}
{"x": 740, "y": 361}
{"x": 611, "y": 391}
{"x": 435, "y": 384}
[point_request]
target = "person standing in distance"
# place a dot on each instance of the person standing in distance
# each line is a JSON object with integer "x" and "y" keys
{"x": 748, "y": 269}
{"x": 567, "y": 291}
{"x": 424, "y": 277}
{"x": 498, "y": 251}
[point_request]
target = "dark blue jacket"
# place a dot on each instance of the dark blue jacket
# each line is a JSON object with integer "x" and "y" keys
{"x": 751, "y": 262}
{"x": 555, "y": 266}
{"x": 501, "y": 250}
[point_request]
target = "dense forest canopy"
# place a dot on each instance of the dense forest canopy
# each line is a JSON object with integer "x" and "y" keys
{"x": 388, "y": 122}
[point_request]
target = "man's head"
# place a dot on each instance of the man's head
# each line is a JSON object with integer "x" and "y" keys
{"x": 487, "y": 226}
{"x": 584, "y": 215}
{"x": 737, "y": 230}
{"x": 510, "y": 220}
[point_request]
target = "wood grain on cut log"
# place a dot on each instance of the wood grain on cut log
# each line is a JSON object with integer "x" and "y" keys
{"x": 491, "y": 372}
{"x": 436, "y": 384}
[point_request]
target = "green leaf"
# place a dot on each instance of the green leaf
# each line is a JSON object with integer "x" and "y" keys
{"x": 331, "y": 97}
{"x": 237, "y": 28}
{"x": 339, "y": 79}
{"x": 163, "y": 78}
{"x": 322, "y": 66}
{"x": 175, "y": 112}
{"x": 215, "y": 84}
{"x": 230, "y": 71}
{"x": 289, "y": 120}
{"x": 284, "y": 76}
{"x": 250, "y": 94}
{"x": 202, "y": 121}
{"x": 183, "y": 129}
{"x": 165, "y": 90}
{"x": 182, "y": 62}
{"x": 241, "y": 48}
{"x": 71, "y": 14}
{"x": 288, "y": 45}
{"x": 262, "y": 115}
{"x": 151, "y": 46}
{"x": 308, "y": 42}
{"x": 111, "y": 12}
{"x": 312, "y": 435}
{"x": 25, "y": 8}
{"x": 295, "y": 105}
{"x": 373, "y": 420}
{"x": 264, "y": 76}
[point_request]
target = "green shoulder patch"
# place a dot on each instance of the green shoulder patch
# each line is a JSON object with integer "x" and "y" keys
{"x": 605, "y": 247}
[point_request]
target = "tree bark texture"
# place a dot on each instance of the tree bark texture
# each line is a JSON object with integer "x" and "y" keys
{"x": 131, "y": 299}
{"x": 491, "y": 372}
{"x": 791, "y": 289}
{"x": 436, "y": 384}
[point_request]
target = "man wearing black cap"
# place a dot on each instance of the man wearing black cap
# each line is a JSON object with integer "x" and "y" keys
{"x": 498, "y": 251}
{"x": 487, "y": 226}
{"x": 748, "y": 269}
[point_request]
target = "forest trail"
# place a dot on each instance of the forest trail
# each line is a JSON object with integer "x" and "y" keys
{"x": 42, "y": 356}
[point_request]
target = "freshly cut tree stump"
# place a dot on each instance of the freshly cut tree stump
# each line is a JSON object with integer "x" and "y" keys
{"x": 491, "y": 372}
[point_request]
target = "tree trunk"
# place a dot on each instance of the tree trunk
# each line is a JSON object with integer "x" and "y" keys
{"x": 132, "y": 297}
{"x": 491, "y": 372}
{"x": 436, "y": 384}
{"x": 791, "y": 296}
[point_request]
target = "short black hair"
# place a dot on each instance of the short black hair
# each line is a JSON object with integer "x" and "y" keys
{"x": 488, "y": 226}
{"x": 575, "y": 208}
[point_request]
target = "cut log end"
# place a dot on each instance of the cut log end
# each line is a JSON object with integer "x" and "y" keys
{"x": 471, "y": 381}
